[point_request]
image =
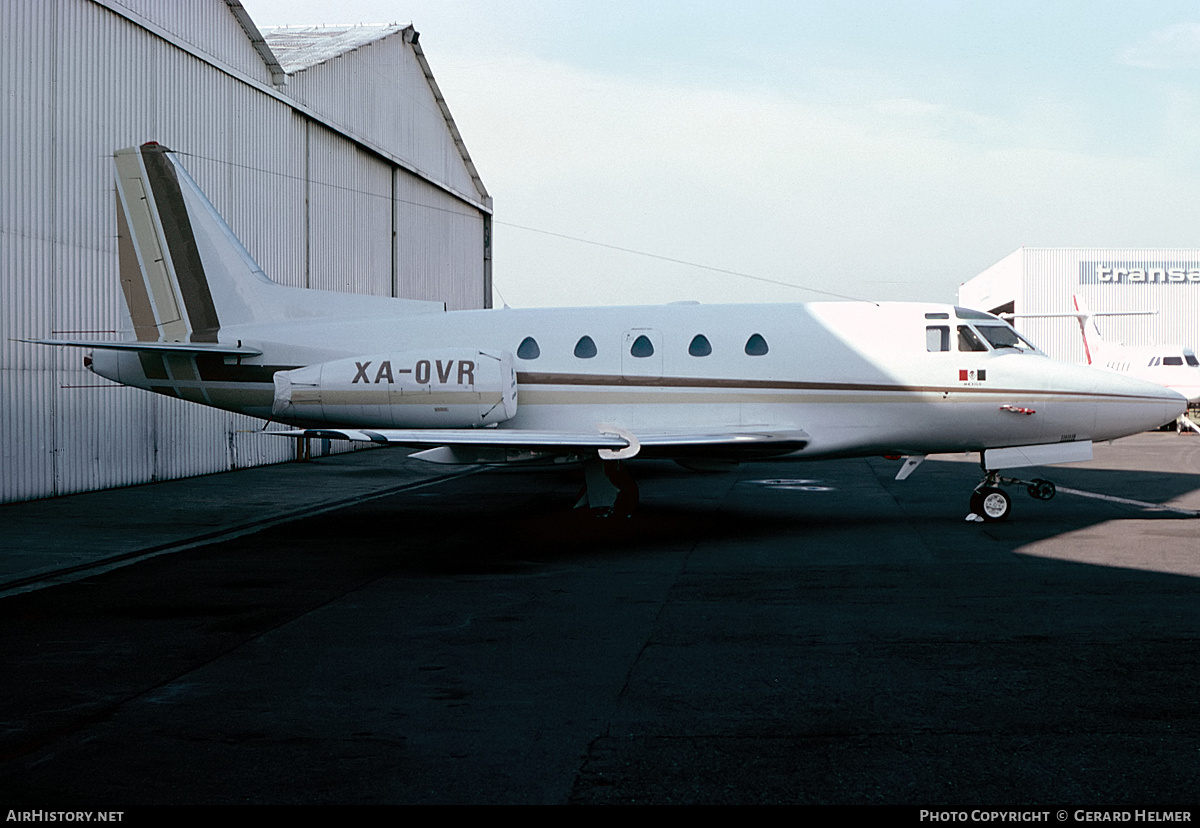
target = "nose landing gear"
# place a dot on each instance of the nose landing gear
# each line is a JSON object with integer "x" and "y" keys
{"x": 990, "y": 503}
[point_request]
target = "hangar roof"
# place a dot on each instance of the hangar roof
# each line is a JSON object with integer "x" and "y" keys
{"x": 300, "y": 47}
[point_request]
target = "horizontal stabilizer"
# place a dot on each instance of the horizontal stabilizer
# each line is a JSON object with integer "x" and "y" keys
{"x": 152, "y": 347}
{"x": 1083, "y": 314}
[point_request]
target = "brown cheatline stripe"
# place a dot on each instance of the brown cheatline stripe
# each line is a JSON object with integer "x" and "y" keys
{"x": 189, "y": 270}
{"x": 213, "y": 368}
{"x": 531, "y": 378}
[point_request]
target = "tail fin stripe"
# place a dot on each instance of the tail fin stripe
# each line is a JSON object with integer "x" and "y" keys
{"x": 133, "y": 284}
{"x": 151, "y": 258}
{"x": 1083, "y": 320}
{"x": 185, "y": 256}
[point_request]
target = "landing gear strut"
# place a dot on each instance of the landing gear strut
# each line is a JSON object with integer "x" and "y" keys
{"x": 608, "y": 488}
{"x": 991, "y": 504}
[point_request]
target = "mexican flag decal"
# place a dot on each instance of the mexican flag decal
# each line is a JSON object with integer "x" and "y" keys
{"x": 972, "y": 375}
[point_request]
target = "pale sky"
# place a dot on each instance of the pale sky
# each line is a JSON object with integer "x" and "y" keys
{"x": 875, "y": 150}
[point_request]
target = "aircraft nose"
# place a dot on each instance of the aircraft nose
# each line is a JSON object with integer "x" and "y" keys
{"x": 1128, "y": 406}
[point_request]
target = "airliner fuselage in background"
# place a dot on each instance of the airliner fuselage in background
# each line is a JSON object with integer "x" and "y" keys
{"x": 698, "y": 383}
{"x": 1172, "y": 366}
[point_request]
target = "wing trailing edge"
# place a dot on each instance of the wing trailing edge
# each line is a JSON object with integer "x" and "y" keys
{"x": 564, "y": 442}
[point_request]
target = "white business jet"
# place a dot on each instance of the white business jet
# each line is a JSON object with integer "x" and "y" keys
{"x": 695, "y": 383}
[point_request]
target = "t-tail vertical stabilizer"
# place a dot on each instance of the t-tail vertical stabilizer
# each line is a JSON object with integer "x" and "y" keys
{"x": 1093, "y": 342}
{"x": 186, "y": 276}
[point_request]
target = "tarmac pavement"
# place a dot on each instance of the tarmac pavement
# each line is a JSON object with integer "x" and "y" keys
{"x": 784, "y": 633}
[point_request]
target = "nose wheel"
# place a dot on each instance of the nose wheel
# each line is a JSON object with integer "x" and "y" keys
{"x": 990, "y": 503}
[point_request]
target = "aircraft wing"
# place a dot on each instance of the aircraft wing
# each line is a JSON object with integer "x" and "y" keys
{"x": 611, "y": 441}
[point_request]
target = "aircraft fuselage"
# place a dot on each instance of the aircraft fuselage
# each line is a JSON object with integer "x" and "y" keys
{"x": 857, "y": 377}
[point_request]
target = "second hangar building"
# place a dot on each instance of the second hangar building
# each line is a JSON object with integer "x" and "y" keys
{"x": 1163, "y": 285}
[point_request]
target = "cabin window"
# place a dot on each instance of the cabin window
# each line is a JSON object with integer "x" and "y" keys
{"x": 528, "y": 349}
{"x": 699, "y": 346}
{"x": 1173, "y": 360}
{"x": 642, "y": 347}
{"x": 937, "y": 316}
{"x": 937, "y": 338}
{"x": 756, "y": 345}
{"x": 968, "y": 340}
{"x": 585, "y": 348}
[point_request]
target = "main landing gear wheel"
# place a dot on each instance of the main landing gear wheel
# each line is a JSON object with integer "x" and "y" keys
{"x": 1041, "y": 489}
{"x": 991, "y": 504}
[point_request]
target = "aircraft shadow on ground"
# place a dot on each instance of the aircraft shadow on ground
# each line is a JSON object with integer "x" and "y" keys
{"x": 501, "y": 521}
{"x": 816, "y": 679}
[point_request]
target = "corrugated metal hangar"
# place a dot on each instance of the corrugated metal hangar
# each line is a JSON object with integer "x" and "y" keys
{"x": 1163, "y": 282}
{"x": 330, "y": 151}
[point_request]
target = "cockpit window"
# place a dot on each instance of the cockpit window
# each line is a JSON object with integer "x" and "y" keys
{"x": 967, "y": 313}
{"x": 1002, "y": 336}
{"x": 1191, "y": 359}
{"x": 937, "y": 338}
{"x": 968, "y": 340}
{"x": 1172, "y": 360}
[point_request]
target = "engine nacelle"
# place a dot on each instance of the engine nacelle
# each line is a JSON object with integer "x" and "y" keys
{"x": 433, "y": 388}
